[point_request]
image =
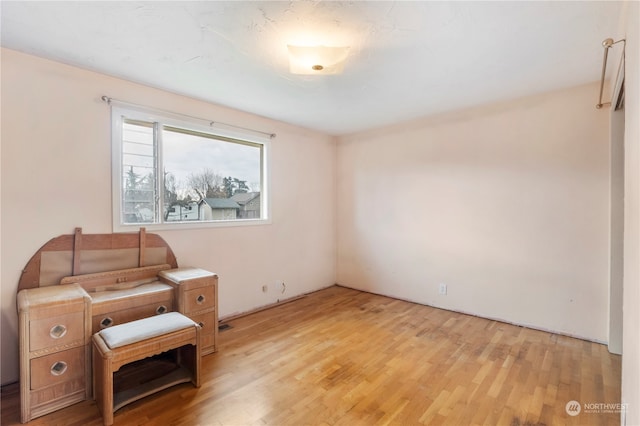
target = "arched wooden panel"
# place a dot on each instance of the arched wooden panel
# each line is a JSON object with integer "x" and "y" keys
{"x": 78, "y": 253}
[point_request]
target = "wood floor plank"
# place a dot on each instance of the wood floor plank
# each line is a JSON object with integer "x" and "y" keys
{"x": 344, "y": 357}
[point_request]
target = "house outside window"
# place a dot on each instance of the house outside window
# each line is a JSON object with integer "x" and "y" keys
{"x": 172, "y": 172}
{"x": 249, "y": 203}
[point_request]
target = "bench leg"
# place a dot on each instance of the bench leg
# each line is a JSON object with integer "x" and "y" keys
{"x": 103, "y": 382}
{"x": 198, "y": 357}
{"x": 190, "y": 356}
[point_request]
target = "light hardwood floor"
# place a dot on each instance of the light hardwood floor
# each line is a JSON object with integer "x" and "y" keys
{"x": 344, "y": 357}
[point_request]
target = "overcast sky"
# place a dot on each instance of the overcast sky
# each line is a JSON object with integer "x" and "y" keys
{"x": 184, "y": 154}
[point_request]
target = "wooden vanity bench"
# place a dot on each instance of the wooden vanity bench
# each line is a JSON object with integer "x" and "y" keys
{"x": 117, "y": 346}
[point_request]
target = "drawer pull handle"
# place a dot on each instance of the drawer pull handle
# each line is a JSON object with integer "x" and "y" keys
{"x": 59, "y": 368}
{"x": 161, "y": 309}
{"x": 201, "y": 324}
{"x": 200, "y": 299}
{"x": 57, "y": 331}
{"x": 106, "y": 322}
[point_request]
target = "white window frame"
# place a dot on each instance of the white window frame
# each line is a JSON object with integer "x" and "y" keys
{"x": 119, "y": 114}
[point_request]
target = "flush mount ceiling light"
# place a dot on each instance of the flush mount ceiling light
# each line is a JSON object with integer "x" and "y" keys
{"x": 317, "y": 59}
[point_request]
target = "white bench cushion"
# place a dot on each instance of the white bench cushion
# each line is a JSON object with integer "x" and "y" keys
{"x": 143, "y": 329}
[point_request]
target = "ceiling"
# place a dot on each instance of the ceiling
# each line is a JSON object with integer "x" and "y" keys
{"x": 406, "y": 59}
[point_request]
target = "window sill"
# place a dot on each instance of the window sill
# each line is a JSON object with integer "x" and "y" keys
{"x": 177, "y": 226}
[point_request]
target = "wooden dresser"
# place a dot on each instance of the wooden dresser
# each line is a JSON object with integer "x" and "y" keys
{"x": 76, "y": 285}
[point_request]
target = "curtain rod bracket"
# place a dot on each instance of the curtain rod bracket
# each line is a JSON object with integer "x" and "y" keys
{"x": 607, "y": 43}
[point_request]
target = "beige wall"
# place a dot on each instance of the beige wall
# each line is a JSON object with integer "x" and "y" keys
{"x": 506, "y": 204}
{"x": 56, "y": 175}
{"x": 631, "y": 290}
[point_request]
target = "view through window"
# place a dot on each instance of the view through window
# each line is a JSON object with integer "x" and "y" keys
{"x": 173, "y": 173}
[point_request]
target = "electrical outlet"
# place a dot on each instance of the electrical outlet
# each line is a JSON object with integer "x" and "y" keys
{"x": 265, "y": 288}
{"x": 442, "y": 289}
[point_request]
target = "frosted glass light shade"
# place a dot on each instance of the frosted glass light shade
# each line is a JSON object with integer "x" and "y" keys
{"x": 317, "y": 59}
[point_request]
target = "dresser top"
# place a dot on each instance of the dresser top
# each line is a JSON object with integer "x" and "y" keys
{"x": 51, "y": 295}
{"x": 179, "y": 275}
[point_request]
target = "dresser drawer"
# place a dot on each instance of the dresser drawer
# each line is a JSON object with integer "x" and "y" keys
{"x": 208, "y": 322}
{"x": 59, "y": 330}
{"x": 98, "y": 322}
{"x": 199, "y": 299}
{"x": 103, "y": 302}
{"x": 57, "y": 368}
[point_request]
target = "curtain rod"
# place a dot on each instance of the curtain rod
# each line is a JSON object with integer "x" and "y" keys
{"x": 607, "y": 43}
{"x": 110, "y": 100}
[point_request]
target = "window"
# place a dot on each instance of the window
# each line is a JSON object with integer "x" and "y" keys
{"x": 171, "y": 173}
